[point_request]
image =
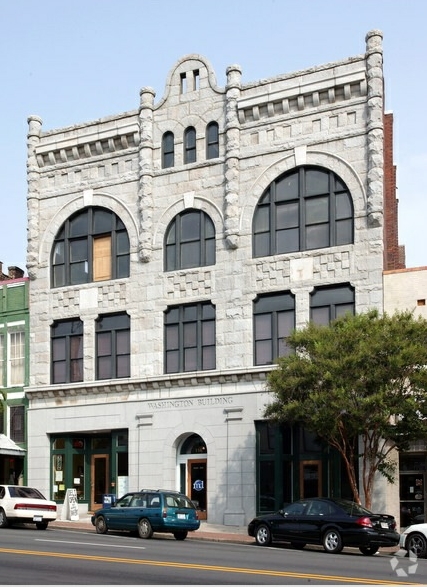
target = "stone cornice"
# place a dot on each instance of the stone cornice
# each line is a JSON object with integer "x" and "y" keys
{"x": 166, "y": 382}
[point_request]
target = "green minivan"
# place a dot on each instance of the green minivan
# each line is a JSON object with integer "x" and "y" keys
{"x": 148, "y": 511}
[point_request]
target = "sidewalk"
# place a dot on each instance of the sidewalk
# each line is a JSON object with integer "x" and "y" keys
{"x": 236, "y": 534}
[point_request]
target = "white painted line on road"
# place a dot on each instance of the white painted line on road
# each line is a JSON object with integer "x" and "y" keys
{"x": 89, "y": 543}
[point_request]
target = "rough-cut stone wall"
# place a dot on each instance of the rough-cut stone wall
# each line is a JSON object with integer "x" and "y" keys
{"x": 331, "y": 116}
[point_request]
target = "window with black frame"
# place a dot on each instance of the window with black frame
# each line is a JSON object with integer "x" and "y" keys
{"x": 190, "y": 241}
{"x": 330, "y": 302}
{"x": 168, "y": 150}
{"x": 273, "y": 322}
{"x": 67, "y": 351}
{"x": 190, "y": 338}
{"x": 92, "y": 245}
{"x": 304, "y": 209}
{"x": 113, "y": 346}
{"x": 190, "y": 155}
{"x": 212, "y": 140}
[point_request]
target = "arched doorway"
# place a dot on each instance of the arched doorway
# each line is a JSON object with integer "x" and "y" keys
{"x": 193, "y": 465}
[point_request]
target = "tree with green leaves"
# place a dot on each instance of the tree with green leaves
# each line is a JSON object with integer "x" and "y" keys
{"x": 361, "y": 381}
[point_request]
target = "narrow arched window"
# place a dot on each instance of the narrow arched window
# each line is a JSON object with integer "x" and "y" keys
{"x": 212, "y": 141}
{"x": 168, "y": 150}
{"x": 190, "y": 241}
{"x": 190, "y": 145}
{"x": 306, "y": 208}
{"x": 91, "y": 245}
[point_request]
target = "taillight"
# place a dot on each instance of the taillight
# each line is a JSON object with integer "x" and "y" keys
{"x": 165, "y": 512}
{"x": 197, "y": 515}
{"x": 33, "y": 506}
{"x": 365, "y": 521}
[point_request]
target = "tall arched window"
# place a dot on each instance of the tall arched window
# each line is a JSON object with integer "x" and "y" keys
{"x": 190, "y": 241}
{"x": 190, "y": 145}
{"x": 168, "y": 150}
{"x": 92, "y": 245}
{"x": 212, "y": 141}
{"x": 306, "y": 208}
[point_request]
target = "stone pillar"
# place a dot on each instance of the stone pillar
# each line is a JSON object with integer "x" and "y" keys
{"x": 145, "y": 192}
{"x": 232, "y": 158}
{"x": 375, "y": 126}
{"x": 33, "y": 179}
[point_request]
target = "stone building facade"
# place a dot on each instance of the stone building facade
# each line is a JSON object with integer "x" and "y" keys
{"x": 170, "y": 249}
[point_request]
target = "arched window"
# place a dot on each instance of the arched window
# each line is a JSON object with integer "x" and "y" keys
{"x": 194, "y": 444}
{"x": 212, "y": 141}
{"x": 168, "y": 150}
{"x": 190, "y": 241}
{"x": 190, "y": 145}
{"x": 306, "y": 208}
{"x": 92, "y": 245}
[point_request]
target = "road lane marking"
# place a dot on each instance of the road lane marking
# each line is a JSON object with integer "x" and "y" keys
{"x": 202, "y": 567}
{"x": 89, "y": 543}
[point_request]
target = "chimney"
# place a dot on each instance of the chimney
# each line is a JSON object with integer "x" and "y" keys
{"x": 15, "y": 272}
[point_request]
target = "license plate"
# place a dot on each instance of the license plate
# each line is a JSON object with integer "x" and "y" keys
{"x": 37, "y": 518}
{"x": 181, "y": 516}
{"x": 384, "y": 525}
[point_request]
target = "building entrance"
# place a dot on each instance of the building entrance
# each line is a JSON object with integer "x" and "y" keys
{"x": 193, "y": 466}
{"x": 100, "y": 476}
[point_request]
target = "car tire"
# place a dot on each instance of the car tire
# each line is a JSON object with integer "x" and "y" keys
{"x": 332, "y": 541}
{"x": 41, "y": 525}
{"x": 369, "y": 550}
{"x": 144, "y": 528}
{"x": 298, "y": 545}
{"x": 416, "y": 543}
{"x": 263, "y": 535}
{"x": 180, "y": 535}
{"x": 101, "y": 525}
{"x": 3, "y": 519}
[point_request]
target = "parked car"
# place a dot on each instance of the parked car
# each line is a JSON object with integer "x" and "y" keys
{"x": 25, "y": 505}
{"x": 333, "y": 523}
{"x": 148, "y": 511}
{"x": 414, "y": 540}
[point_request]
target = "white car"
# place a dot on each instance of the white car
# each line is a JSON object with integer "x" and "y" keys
{"x": 25, "y": 505}
{"x": 414, "y": 539}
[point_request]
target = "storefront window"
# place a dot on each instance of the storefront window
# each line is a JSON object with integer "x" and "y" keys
{"x": 78, "y": 475}
{"x": 58, "y": 477}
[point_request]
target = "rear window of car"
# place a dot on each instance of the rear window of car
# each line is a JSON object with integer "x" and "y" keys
{"x": 178, "y": 501}
{"x": 25, "y": 492}
{"x": 353, "y": 509}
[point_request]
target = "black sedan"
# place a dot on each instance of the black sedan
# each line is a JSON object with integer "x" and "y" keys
{"x": 333, "y": 523}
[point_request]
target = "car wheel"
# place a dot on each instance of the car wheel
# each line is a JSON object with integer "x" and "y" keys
{"x": 417, "y": 544}
{"x": 144, "y": 528}
{"x": 263, "y": 535}
{"x": 101, "y": 525}
{"x": 298, "y": 545}
{"x": 180, "y": 535}
{"x": 368, "y": 550}
{"x": 332, "y": 541}
{"x": 41, "y": 525}
{"x": 3, "y": 519}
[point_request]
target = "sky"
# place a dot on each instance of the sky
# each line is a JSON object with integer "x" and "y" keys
{"x": 74, "y": 61}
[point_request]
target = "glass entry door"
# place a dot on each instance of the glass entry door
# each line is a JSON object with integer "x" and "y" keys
{"x": 310, "y": 479}
{"x": 197, "y": 488}
{"x": 99, "y": 477}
